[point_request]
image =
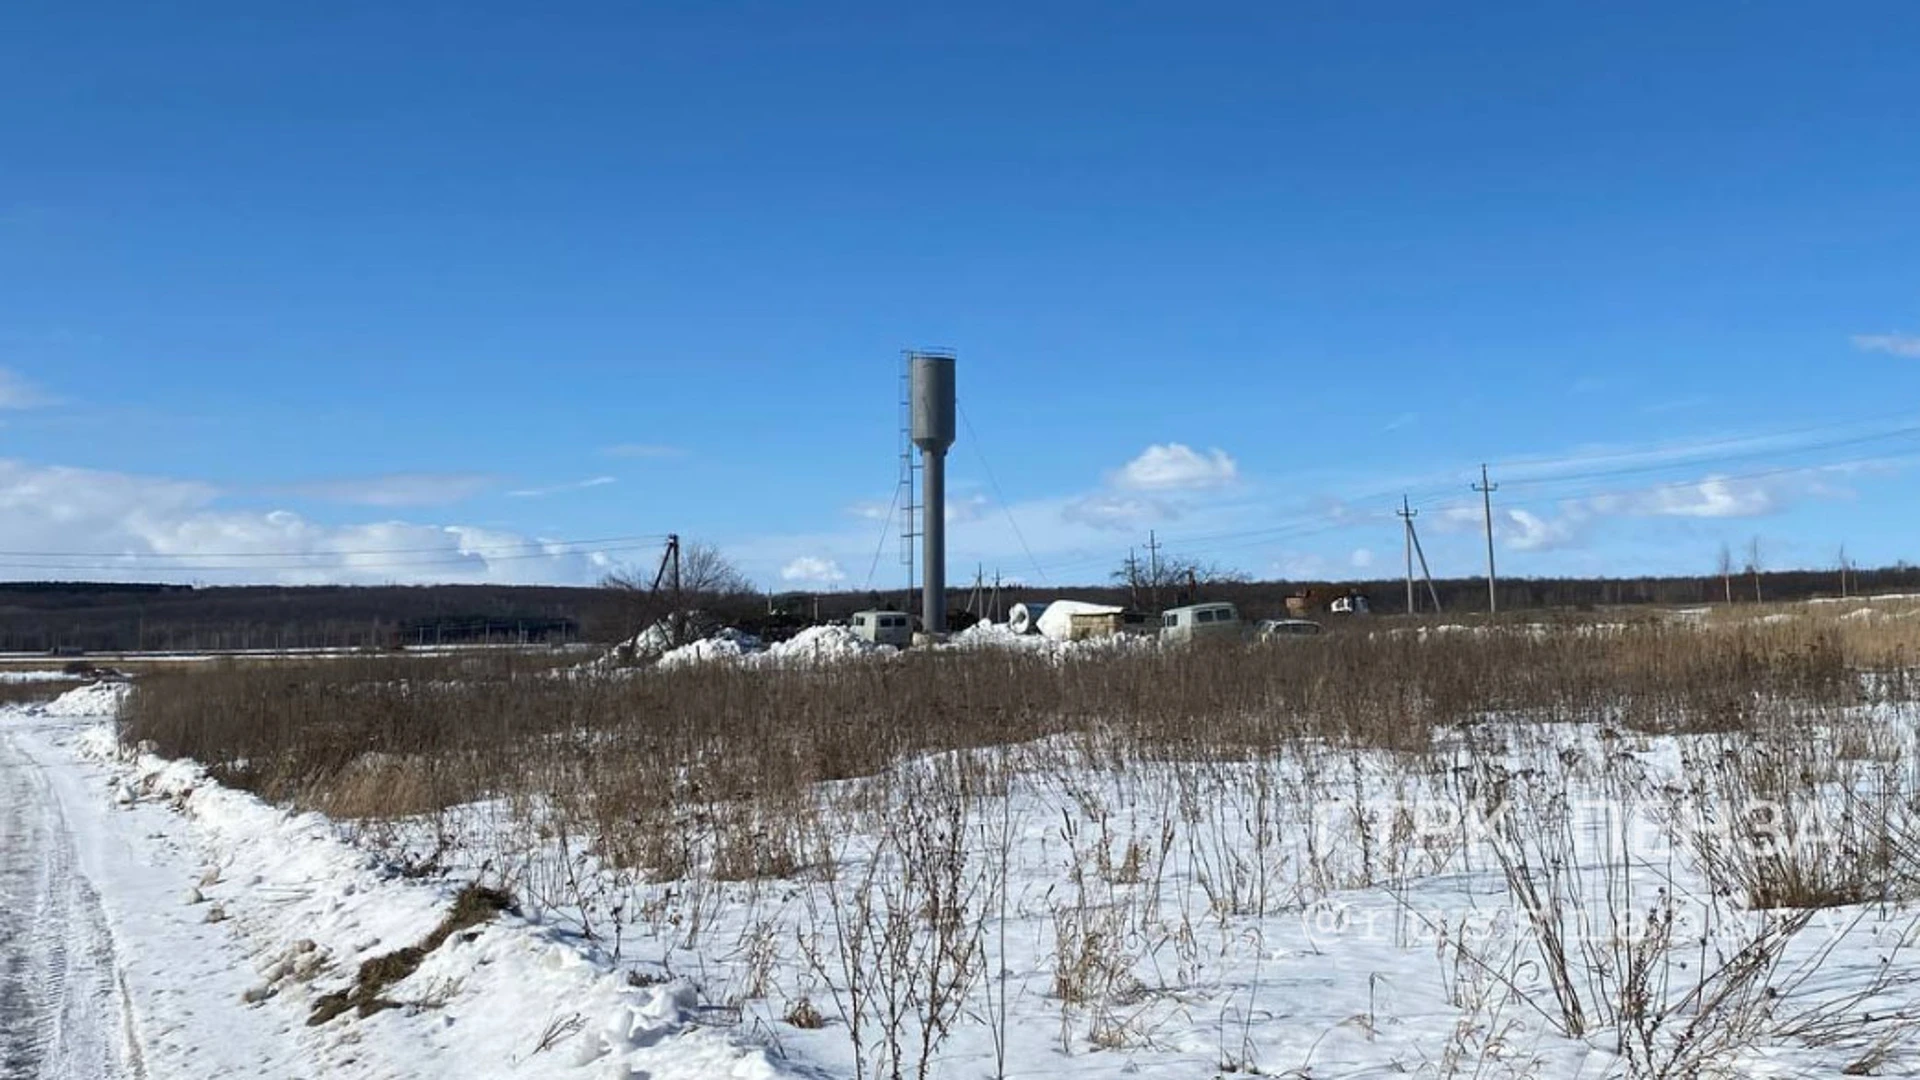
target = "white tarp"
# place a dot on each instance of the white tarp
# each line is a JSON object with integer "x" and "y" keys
{"x": 1056, "y": 621}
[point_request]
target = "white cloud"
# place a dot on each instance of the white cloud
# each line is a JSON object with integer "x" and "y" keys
{"x": 555, "y": 489}
{"x": 1906, "y": 345}
{"x": 1713, "y": 497}
{"x": 1524, "y": 530}
{"x": 1116, "y": 512}
{"x": 94, "y": 525}
{"x": 1361, "y": 559}
{"x": 642, "y": 450}
{"x": 1177, "y": 467}
{"x": 811, "y": 570}
{"x": 967, "y": 508}
{"x": 394, "y": 489}
{"x": 18, "y": 393}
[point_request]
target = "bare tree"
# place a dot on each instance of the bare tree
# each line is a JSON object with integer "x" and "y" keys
{"x": 703, "y": 571}
{"x": 687, "y": 575}
{"x": 1753, "y": 565}
{"x": 1726, "y": 569}
{"x": 1171, "y": 574}
{"x": 1846, "y": 567}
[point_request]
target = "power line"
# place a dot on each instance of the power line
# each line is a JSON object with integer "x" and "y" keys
{"x": 1904, "y": 415}
{"x": 1695, "y": 463}
{"x": 973, "y": 440}
{"x": 886, "y": 526}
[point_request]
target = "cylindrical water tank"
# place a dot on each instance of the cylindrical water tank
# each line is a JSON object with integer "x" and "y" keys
{"x": 931, "y": 394}
{"x": 1025, "y": 618}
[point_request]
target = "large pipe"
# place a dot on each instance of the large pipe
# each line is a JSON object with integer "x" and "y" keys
{"x": 932, "y": 406}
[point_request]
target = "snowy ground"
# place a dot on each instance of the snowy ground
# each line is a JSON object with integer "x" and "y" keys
{"x": 1328, "y": 914}
{"x": 158, "y": 925}
{"x": 1323, "y": 912}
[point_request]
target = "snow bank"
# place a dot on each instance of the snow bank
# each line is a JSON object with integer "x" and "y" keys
{"x": 506, "y": 998}
{"x": 93, "y": 699}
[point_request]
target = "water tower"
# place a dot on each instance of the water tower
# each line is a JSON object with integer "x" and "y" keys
{"x": 930, "y": 396}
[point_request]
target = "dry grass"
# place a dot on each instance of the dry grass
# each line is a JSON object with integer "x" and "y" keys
{"x": 711, "y": 778}
{"x": 394, "y": 736}
{"x": 474, "y": 905}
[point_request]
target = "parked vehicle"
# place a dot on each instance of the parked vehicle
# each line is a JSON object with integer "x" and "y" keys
{"x": 884, "y": 627}
{"x": 1215, "y": 620}
{"x": 1276, "y": 629}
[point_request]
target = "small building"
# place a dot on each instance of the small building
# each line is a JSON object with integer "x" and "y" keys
{"x": 1214, "y": 620}
{"x": 884, "y": 627}
{"x": 1084, "y": 625}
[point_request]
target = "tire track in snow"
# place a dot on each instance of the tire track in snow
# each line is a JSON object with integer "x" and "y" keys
{"x": 61, "y": 1014}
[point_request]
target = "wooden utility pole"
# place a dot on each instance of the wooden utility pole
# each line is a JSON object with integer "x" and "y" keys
{"x": 1406, "y": 519}
{"x": 1486, "y": 490}
{"x": 1153, "y": 558}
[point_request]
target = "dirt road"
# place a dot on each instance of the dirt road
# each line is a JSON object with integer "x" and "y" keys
{"x": 62, "y": 1012}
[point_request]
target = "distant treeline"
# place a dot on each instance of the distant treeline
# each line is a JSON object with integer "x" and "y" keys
{"x": 43, "y": 616}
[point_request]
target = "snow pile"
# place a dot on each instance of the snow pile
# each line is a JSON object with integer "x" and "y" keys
{"x": 823, "y": 645}
{"x": 1056, "y": 621}
{"x": 728, "y": 644}
{"x": 988, "y": 635}
{"x": 658, "y": 640}
{"x": 816, "y": 645}
{"x": 93, "y": 699}
{"x": 992, "y": 635}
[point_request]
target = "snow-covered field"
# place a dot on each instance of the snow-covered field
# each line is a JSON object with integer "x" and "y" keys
{"x": 1333, "y": 914}
{"x": 1515, "y": 898}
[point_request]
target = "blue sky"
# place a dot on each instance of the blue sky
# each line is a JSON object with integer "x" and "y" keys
{"x": 408, "y": 292}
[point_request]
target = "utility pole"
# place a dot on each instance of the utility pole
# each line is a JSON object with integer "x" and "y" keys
{"x": 1486, "y": 490}
{"x": 1153, "y": 571}
{"x": 679, "y": 605}
{"x": 1406, "y": 517}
